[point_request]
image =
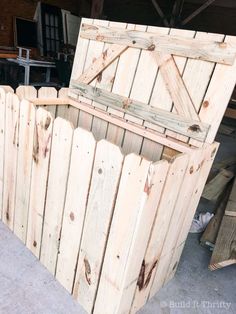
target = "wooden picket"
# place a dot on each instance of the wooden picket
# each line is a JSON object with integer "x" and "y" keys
{"x": 10, "y": 158}
{"x": 39, "y": 177}
{"x": 24, "y": 164}
{"x": 101, "y": 200}
{"x": 81, "y": 166}
{"x": 56, "y": 191}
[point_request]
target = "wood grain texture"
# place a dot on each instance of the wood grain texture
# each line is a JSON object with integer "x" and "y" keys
{"x": 26, "y": 92}
{"x": 10, "y": 158}
{"x": 82, "y": 157}
{"x": 24, "y": 165}
{"x": 180, "y": 124}
{"x": 193, "y": 48}
{"x": 100, "y": 207}
{"x": 216, "y": 186}
{"x": 160, "y": 228}
{"x": 39, "y": 177}
{"x": 224, "y": 253}
{"x": 130, "y": 231}
{"x": 231, "y": 205}
{"x": 56, "y": 191}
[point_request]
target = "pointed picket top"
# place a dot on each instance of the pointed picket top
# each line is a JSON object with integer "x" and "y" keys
{"x": 47, "y": 92}
{"x": 28, "y": 92}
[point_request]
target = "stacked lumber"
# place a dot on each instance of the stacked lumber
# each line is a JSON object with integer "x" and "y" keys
{"x": 220, "y": 233}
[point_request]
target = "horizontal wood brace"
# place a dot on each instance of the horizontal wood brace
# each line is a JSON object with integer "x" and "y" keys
{"x": 162, "y": 118}
{"x": 208, "y": 50}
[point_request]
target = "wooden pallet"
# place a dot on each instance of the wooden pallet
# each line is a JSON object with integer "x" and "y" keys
{"x": 102, "y": 186}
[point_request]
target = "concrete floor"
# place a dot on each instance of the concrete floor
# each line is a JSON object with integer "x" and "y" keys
{"x": 26, "y": 287}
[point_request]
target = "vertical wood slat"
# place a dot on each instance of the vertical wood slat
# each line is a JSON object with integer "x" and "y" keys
{"x": 10, "y": 158}
{"x": 39, "y": 176}
{"x": 2, "y": 143}
{"x": 129, "y": 234}
{"x": 160, "y": 227}
{"x": 176, "y": 223}
{"x": 105, "y": 81}
{"x": 56, "y": 190}
{"x": 122, "y": 85}
{"x": 67, "y": 112}
{"x": 196, "y": 78}
{"x": 102, "y": 195}
{"x": 45, "y": 93}
{"x": 24, "y": 163}
{"x": 94, "y": 51}
{"x": 218, "y": 95}
{"x": 82, "y": 158}
{"x": 132, "y": 143}
{"x": 207, "y": 158}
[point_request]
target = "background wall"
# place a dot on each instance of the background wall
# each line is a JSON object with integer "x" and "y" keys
{"x": 25, "y": 9}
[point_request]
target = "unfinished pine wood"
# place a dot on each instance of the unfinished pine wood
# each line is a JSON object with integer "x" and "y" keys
{"x": 24, "y": 165}
{"x": 103, "y": 189}
{"x": 82, "y": 156}
{"x": 129, "y": 234}
{"x": 193, "y": 48}
{"x": 231, "y": 205}
{"x": 122, "y": 83}
{"x": 39, "y": 177}
{"x": 181, "y": 208}
{"x": 94, "y": 51}
{"x": 180, "y": 124}
{"x": 67, "y": 112}
{"x": 105, "y": 80}
{"x": 216, "y": 186}
{"x": 175, "y": 85}
{"x": 56, "y": 191}
{"x": 224, "y": 253}
{"x": 2, "y": 143}
{"x": 216, "y": 99}
{"x": 107, "y": 57}
{"x": 160, "y": 227}
{"x": 46, "y": 93}
{"x": 26, "y": 92}
{"x": 10, "y": 158}
{"x": 208, "y": 155}
{"x": 210, "y": 234}
{"x": 133, "y": 142}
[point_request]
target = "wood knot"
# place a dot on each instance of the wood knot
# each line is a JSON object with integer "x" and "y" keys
{"x": 99, "y": 37}
{"x": 205, "y": 104}
{"x": 47, "y": 123}
{"x": 34, "y": 243}
{"x": 72, "y": 216}
{"x": 126, "y": 103}
{"x": 195, "y": 128}
{"x": 151, "y": 47}
{"x": 87, "y": 271}
{"x": 99, "y": 171}
{"x": 104, "y": 55}
{"x": 191, "y": 170}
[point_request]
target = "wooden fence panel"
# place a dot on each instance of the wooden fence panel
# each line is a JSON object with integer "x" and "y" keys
{"x": 130, "y": 231}
{"x": 82, "y": 158}
{"x": 39, "y": 176}
{"x": 165, "y": 209}
{"x": 24, "y": 163}
{"x": 56, "y": 191}
{"x": 47, "y": 93}
{"x": 102, "y": 195}
{"x": 10, "y": 158}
